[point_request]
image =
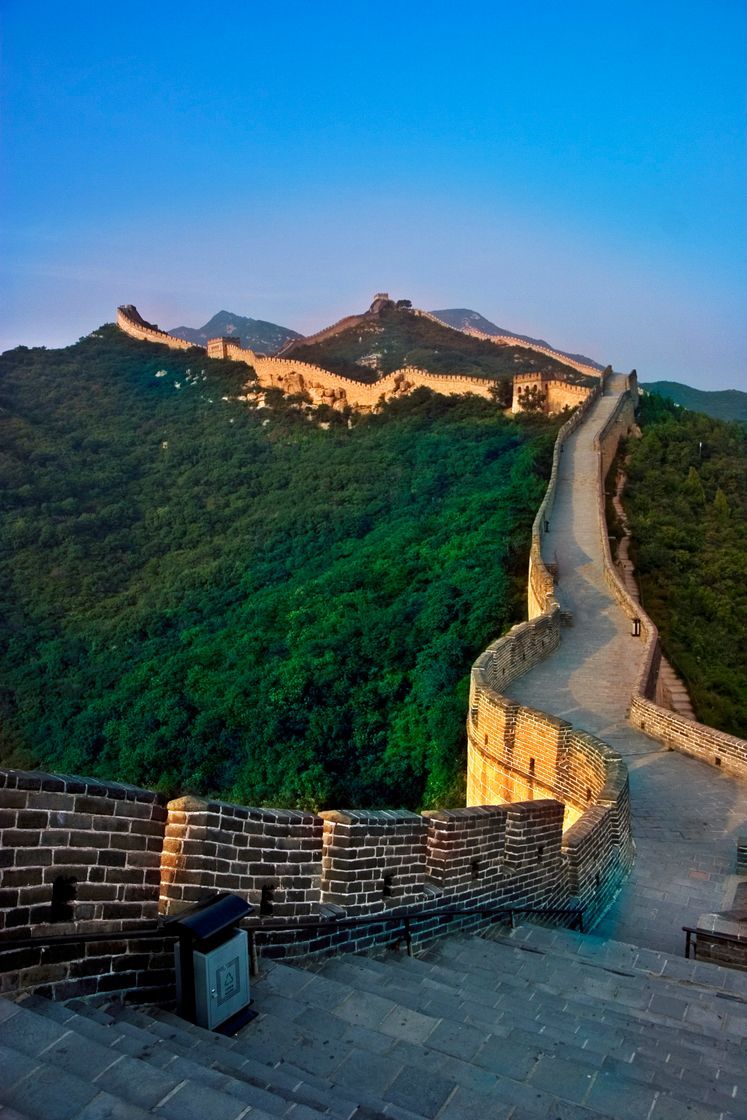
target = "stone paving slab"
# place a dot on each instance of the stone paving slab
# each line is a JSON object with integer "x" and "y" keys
{"x": 686, "y": 815}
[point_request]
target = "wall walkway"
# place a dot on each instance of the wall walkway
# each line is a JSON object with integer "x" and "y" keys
{"x": 685, "y": 814}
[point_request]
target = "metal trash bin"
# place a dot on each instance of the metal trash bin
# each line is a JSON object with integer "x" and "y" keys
{"x": 212, "y": 963}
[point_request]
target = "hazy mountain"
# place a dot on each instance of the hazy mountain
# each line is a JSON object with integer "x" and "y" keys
{"x": 721, "y": 404}
{"x": 256, "y": 334}
{"x": 464, "y": 319}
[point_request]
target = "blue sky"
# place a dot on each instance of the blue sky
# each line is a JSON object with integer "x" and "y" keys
{"x": 575, "y": 171}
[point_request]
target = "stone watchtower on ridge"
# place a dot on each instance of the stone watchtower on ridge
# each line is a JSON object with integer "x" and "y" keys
{"x": 379, "y": 302}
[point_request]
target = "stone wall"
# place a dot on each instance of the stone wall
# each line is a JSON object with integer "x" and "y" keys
{"x": 124, "y": 849}
{"x": 132, "y": 323}
{"x": 272, "y": 857}
{"x": 511, "y": 340}
{"x": 646, "y": 711}
{"x": 79, "y": 856}
{"x": 541, "y": 581}
{"x": 340, "y": 325}
{"x": 559, "y": 394}
{"x": 322, "y": 386}
{"x": 518, "y": 753}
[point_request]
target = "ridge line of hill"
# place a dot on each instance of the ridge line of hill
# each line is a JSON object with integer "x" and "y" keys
{"x": 381, "y": 301}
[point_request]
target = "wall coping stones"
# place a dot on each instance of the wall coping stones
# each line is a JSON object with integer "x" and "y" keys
{"x": 380, "y": 817}
{"x": 37, "y": 780}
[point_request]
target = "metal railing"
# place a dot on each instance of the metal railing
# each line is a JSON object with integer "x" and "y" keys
{"x": 265, "y": 928}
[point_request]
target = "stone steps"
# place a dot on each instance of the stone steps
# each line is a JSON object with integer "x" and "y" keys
{"x": 560, "y": 1038}
{"x": 557, "y": 1020}
{"x": 530, "y": 1024}
{"x": 62, "y": 1071}
{"x": 522, "y": 1059}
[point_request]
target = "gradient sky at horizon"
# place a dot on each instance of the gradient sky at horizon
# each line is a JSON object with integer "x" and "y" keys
{"x": 575, "y": 172}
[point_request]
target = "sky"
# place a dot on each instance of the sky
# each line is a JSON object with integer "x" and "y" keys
{"x": 572, "y": 171}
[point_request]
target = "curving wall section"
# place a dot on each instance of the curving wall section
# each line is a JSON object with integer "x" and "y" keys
{"x": 519, "y": 753}
{"x": 646, "y": 709}
{"x": 132, "y": 323}
{"x": 331, "y": 388}
{"x": 326, "y": 332}
{"x": 512, "y": 340}
{"x": 301, "y": 377}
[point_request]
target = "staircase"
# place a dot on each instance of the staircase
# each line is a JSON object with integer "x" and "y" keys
{"x": 529, "y": 1023}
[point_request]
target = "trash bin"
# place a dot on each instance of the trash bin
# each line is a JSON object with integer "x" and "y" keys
{"x": 212, "y": 963}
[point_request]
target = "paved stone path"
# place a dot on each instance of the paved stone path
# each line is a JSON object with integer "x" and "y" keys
{"x": 686, "y": 814}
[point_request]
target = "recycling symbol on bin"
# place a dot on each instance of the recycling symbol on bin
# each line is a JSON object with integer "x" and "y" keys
{"x": 228, "y": 980}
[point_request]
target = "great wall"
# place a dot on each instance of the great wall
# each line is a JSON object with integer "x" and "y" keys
{"x": 548, "y": 820}
{"x": 323, "y": 387}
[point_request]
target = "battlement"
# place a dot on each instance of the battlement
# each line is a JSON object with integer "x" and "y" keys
{"x": 512, "y": 340}
{"x": 132, "y": 323}
{"x": 82, "y": 856}
{"x": 557, "y": 393}
{"x": 323, "y": 387}
{"x": 647, "y": 710}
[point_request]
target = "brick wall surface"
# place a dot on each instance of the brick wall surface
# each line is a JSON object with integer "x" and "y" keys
{"x": 372, "y": 860}
{"x": 272, "y": 857}
{"x": 76, "y": 856}
{"x": 559, "y": 394}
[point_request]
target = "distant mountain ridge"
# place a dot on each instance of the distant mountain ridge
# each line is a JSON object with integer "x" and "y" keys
{"x": 462, "y": 318}
{"x": 255, "y": 334}
{"x": 721, "y": 404}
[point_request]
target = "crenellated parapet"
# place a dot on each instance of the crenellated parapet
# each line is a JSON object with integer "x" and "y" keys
{"x": 83, "y": 856}
{"x": 132, "y": 323}
{"x": 516, "y": 753}
{"x": 512, "y": 340}
{"x": 554, "y": 393}
{"x": 319, "y": 385}
{"x": 647, "y": 705}
{"x": 322, "y": 386}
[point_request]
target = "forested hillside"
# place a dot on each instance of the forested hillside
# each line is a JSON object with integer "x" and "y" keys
{"x": 463, "y": 319}
{"x": 204, "y": 595}
{"x": 686, "y": 499}
{"x": 398, "y": 337}
{"x": 721, "y": 404}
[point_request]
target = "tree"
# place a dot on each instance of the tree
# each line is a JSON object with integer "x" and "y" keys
{"x": 532, "y": 398}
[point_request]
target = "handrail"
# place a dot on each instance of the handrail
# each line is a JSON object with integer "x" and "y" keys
{"x": 284, "y": 925}
{"x": 711, "y": 935}
{"x": 137, "y": 933}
